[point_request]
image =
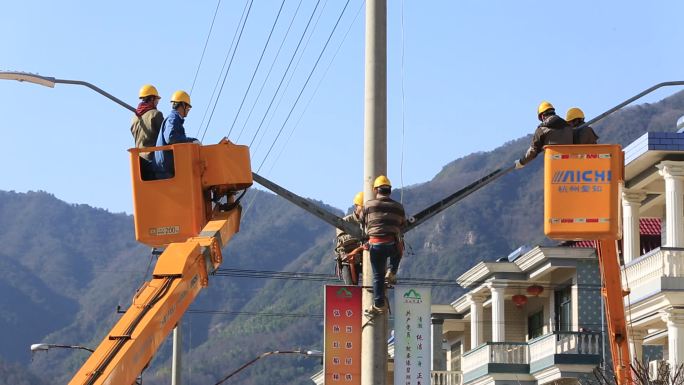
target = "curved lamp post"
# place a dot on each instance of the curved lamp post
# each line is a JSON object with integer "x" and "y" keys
{"x": 45, "y": 347}
{"x": 48, "y": 81}
{"x": 308, "y": 353}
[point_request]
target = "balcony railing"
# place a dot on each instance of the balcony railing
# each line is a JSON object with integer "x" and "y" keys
{"x": 565, "y": 343}
{"x": 446, "y": 377}
{"x": 643, "y": 274}
{"x": 495, "y": 353}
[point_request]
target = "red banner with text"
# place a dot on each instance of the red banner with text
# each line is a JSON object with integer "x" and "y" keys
{"x": 342, "y": 353}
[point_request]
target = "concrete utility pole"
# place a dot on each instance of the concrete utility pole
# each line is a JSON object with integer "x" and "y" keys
{"x": 176, "y": 370}
{"x": 374, "y": 333}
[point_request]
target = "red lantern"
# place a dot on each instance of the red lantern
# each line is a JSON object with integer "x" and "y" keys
{"x": 535, "y": 290}
{"x": 519, "y": 300}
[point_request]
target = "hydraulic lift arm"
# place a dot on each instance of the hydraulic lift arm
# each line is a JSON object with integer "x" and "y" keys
{"x": 309, "y": 206}
{"x": 179, "y": 275}
{"x": 454, "y": 198}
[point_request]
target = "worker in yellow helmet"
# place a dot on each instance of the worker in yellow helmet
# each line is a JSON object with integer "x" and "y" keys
{"x": 145, "y": 127}
{"x": 583, "y": 135}
{"x": 552, "y": 130}
{"x": 384, "y": 220}
{"x": 349, "y": 248}
{"x": 172, "y": 132}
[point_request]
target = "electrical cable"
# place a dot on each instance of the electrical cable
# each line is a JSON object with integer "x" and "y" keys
{"x": 289, "y": 80}
{"x": 225, "y": 61}
{"x": 257, "y": 314}
{"x": 317, "y": 87}
{"x": 268, "y": 75}
{"x": 147, "y": 270}
{"x": 230, "y": 64}
{"x": 305, "y": 84}
{"x": 301, "y": 38}
{"x": 319, "y": 277}
{"x": 205, "y": 46}
{"x": 237, "y": 45}
{"x": 285, "y": 73}
{"x": 263, "y": 51}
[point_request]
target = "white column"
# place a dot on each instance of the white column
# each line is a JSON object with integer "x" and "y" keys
{"x": 476, "y": 320}
{"x": 675, "y": 335}
{"x": 673, "y": 173}
{"x": 631, "y": 202}
{"x": 552, "y": 312}
{"x": 498, "y": 313}
{"x": 636, "y": 344}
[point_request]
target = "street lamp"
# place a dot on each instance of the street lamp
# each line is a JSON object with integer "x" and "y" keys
{"x": 45, "y": 347}
{"x": 308, "y": 353}
{"x": 49, "y": 81}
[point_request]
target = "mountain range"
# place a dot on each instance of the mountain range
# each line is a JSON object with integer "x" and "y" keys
{"x": 66, "y": 267}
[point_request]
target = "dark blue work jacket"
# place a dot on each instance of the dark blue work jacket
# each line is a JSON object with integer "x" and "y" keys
{"x": 172, "y": 132}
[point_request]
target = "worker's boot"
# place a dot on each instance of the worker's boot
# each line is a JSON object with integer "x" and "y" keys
{"x": 373, "y": 311}
{"x": 390, "y": 278}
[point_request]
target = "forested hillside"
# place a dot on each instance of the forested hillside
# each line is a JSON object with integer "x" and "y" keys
{"x": 66, "y": 267}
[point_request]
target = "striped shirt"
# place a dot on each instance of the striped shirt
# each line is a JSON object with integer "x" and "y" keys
{"x": 383, "y": 217}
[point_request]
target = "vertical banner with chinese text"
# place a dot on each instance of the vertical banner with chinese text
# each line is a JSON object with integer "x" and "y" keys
{"x": 412, "y": 342}
{"x": 342, "y": 337}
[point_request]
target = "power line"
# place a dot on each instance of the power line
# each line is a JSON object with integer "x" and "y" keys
{"x": 237, "y": 45}
{"x": 268, "y": 75}
{"x": 417, "y": 281}
{"x": 251, "y": 202}
{"x": 256, "y": 314}
{"x": 230, "y": 64}
{"x": 305, "y": 84}
{"x": 225, "y": 61}
{"x": 285, "y": 73}
{"x": 263, "y": 51}
{"x": 205, "y": 46}
{"x": 289, "y": 80}
{"x": 317, "y": 86}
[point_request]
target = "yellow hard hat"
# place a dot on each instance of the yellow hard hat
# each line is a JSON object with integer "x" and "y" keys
{"x": 147, "y": 90}
{"x": 381, "y": 181}
{"x": 358, "y": 199}
{"x": 574, "y": 113}
{"x": 543, "y": 107}
{"x": 181, "y": 96}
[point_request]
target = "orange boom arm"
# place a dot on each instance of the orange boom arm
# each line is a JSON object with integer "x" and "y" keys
{"x": 178, "y": 277}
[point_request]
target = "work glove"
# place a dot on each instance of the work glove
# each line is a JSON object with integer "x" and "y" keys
{"x": 518, "y": 165}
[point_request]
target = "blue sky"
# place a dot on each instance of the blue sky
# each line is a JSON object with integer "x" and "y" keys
{"x": 473, "y": 73}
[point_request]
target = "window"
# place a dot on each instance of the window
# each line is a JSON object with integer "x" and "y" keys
{"x": 535, "y": 324}
{"x": 563, "y": 309}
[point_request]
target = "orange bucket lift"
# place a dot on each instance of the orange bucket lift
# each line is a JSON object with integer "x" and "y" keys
{"x": 177, "y": 208}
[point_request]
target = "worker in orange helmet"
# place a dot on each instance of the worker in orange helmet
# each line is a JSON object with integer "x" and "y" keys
{"x": 145, "y": 127}
{"x": 583, "y": 135}
{"x": 348, "y": 248}
{"x": 552, "y": 130}
{"x": 384, "y": 220}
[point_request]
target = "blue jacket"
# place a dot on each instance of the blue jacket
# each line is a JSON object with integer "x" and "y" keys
{"x": 172, "y": 132}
